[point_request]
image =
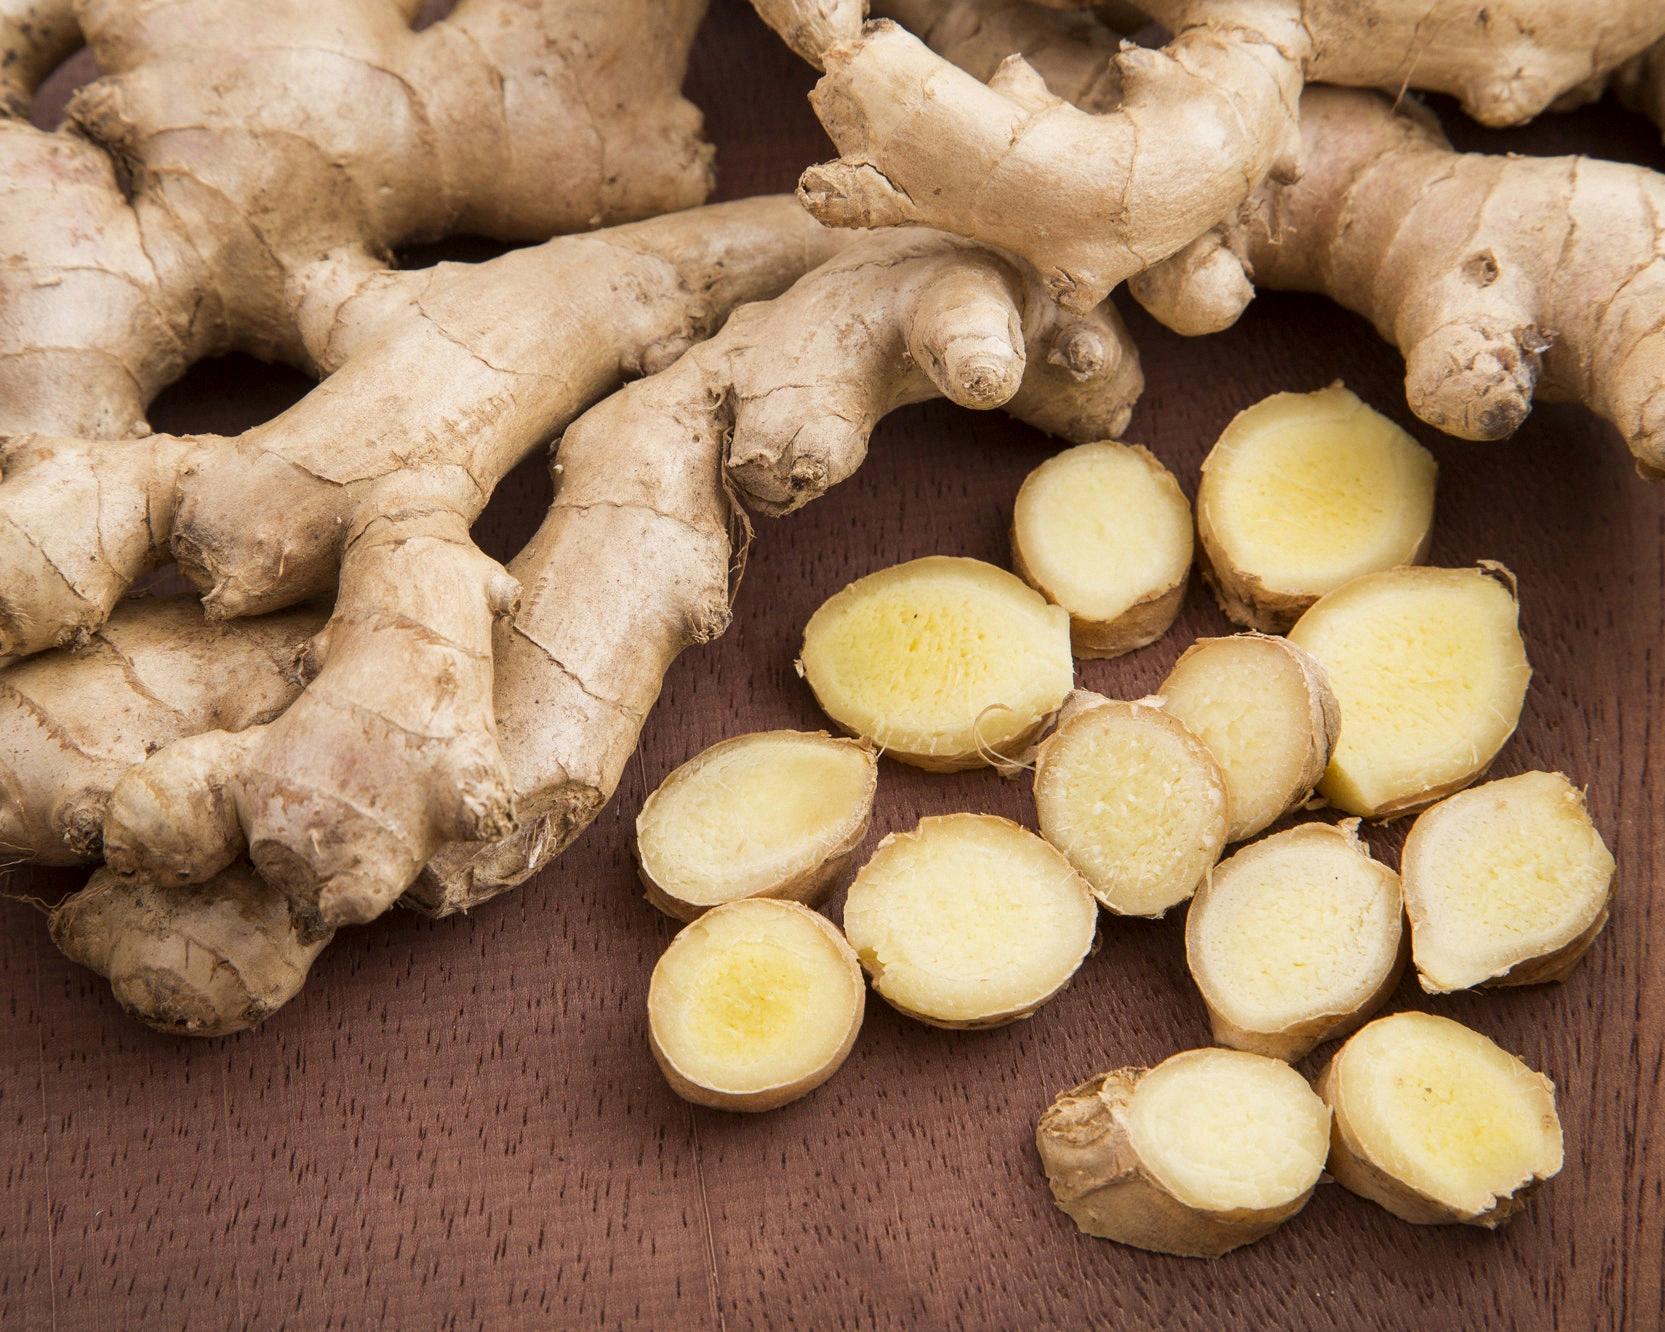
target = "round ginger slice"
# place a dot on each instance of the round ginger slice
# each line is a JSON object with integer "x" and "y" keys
{"x": 1104, "y": 531}
{"x": 1295, "y": 939}
{"x": 1430, "y": 671}
{"x": 1438, "y": 1124}
{"x": 772, "y": 814}
{"x": 1505, "y": 884}
{"x": 1304, "y": 492}
{"x": 968, "y": 921}
{"x": 1134, "y": 800}
{"x": 1208, "y": 1151}
{"x": 1266, "y": 710}
{"x": 943, "y": 662}
{"x": 753, "y": 1005}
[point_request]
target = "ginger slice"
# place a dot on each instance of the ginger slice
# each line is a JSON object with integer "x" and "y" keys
{"x": 1437, "y": 1123}
{"x": 1303, "y": 492}
{"x": 1295, "y": 939}
{"x": 1430, "y": 671}
{"x": 943, "y": 662}
{"x": 772, "y": 814}
{"x": 1104, "y": 531}
{"x": 1266, "y": 710}
{"x": 969, "y": 921}
{"x": 753, "y": 1005}
{"x": 1505, "y": 884}
{"x": 1134, "y": 800}
{"x": 1209, "y": 1150}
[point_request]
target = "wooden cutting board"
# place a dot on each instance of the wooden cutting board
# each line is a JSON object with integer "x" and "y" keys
{"x": 459, "y": 1123}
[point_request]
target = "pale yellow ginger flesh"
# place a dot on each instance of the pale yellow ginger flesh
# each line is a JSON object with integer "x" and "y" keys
{"x": 753, "y": 1005}
{"x": 968, "y": 921}
{"x": 1505, "y": 884}
{"x": 1209, "y": 1150}
{"x": 1430, "y": 671}
{"x": 1303, "y": 492}
{"x": 1437, "y": 1123}
{"x": 943, "y": 662}
{"x": 1266, "y": 711}
{"x": 1294, "y": 940}
{"x": 773, "y": 814}
{"x": 1135, "y": 801}
{"x": 1104, "y": 531}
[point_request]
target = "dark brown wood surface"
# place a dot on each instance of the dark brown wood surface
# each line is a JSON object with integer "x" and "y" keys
{"x": 459, "y": 1124}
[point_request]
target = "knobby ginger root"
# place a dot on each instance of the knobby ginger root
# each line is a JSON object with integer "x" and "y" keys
{"x": 772, "y": 814}
{"x": 753, "y": 1005}
{"x": 1303, "y": 492}
{"x": 1505, "y": 884}
{"x": 1295, "y": 940}
{"x": 968, "y": 921}
{"x": 1209, "y": 1150}
{"x": 1438, "y": 1124}
{"x": 1430, "y": 671}
{"x": 1104, "y": 531}
{"x": 1267, "y": 713}
{"x": 1134, "y": 800}
{"x": 943, "y": 662}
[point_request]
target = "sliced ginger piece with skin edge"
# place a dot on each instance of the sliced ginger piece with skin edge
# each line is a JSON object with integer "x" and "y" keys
{"x": 1104, "y": 531}
{"x": 1133, "y": 799}
{"x": 944, "y": 663}
{"x": 772, "y": 814}
{"x": 1437, "y": 1123}
{"x": 1430, "y": 671}
{"x": 1505, "y": 884}
{"x": 753, "y": 1005}
{"x": 1304, "y": 492}
{"x": 1296, "y": 939}
{"x": 1208, "y": 1151}
{"x": 1266, "y": 710}
{"x": 969, "y": 921}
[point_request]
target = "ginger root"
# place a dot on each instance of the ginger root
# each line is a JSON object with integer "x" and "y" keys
{"x": 771, "y": 814}
{"x": 1303, "y": 492}
{"x": 1438, "y": 1124}
{"x": 1206, "y": 1152}
{"x": 968, "y": 921}
{"x": 1295, "y": 940}
{"x": 1430, "y": 671}
{"x": 1267, "y": 713}
{"x": 944, "y": 663}
{"x": 1104, "y": 531}
{"x": 1505, "y": 884}
{"x": 753, "y": 1005}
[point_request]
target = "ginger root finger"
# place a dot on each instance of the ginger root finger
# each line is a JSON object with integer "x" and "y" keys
{"x": 754, "y": 1005}
{"x": 1505, "y": 884}
{"x": 205, "y": 959}
{"x": 1438, "y": 1124}
{"x": 968, "y": 921}
{"x": 773, "y": 814}
{"x": 1295, "y": 940}
{"x": 1206, "y": 1152}
{"x": 35, "y": 37}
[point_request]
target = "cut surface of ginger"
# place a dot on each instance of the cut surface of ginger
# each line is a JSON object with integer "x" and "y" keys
{"x": 773, "y": 814}
{"x": 968, "y": 921}
{"x": 1104, "y": 531}
{"x": 1430, "y": 672}
{"x": 1303, "y": 492}
{"x": 943, "y": 662}
{"x": 754, "y": 1004}
{"x": 1134, "y": 800}
{"x": 1507, "y": 883}
{"x": 1438, "y": 1123}
{"x": 1295, "y": 939}
{"x": 1266, "y": 711}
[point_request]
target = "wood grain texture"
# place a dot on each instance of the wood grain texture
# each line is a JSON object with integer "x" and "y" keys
{"x": 459, "y": 1123}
